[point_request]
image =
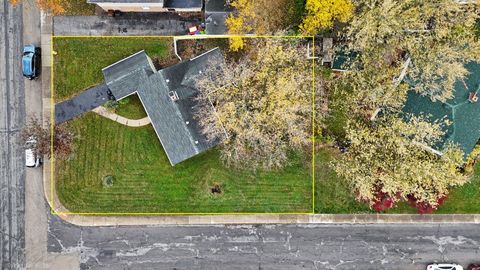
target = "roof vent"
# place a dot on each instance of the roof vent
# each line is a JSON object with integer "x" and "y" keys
{"x": 173, "y": 95}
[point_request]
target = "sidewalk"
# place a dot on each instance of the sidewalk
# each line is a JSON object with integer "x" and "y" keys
{"x": 120, "y": 119}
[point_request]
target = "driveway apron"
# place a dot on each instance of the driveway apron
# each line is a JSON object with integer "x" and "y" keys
{"x": 84, "y": 102}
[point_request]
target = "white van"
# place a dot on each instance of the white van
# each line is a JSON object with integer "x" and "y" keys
{"x": 31, "y": 159}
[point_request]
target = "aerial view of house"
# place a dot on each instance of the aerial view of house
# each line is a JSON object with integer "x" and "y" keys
{"x": 168, "y": 96}
{"x": 240, "y": 134}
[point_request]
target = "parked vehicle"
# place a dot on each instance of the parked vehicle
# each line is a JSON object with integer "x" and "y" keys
{"x": 31, "y": 61}
{"x": 474, "y": 266}
{"x": 444, "y": 266}
{"x": 31, "y": 158}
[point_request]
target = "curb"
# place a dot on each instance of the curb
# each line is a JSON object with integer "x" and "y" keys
{"x": 210, "y": 219}
{"x": 229, "y": 219}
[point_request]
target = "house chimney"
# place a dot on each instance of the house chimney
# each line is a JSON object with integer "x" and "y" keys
{"x": 473, "y": 97}
{"x": 173, "y": 95}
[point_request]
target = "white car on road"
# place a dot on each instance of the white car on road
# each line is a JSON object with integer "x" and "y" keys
{"x": 31, "y": 158}
{"x": 444, "y": 266}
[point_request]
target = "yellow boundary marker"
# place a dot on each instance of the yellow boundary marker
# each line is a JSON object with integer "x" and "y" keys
{"x": 52, "y": 123}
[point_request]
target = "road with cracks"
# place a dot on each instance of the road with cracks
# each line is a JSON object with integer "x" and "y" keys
{"x": 266, "y": 246}
{"x": 12, "y": 119}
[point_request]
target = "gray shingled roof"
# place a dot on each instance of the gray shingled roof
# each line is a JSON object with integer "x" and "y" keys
{"x": 122, "y": 77}
{"x": 173, "y": 121}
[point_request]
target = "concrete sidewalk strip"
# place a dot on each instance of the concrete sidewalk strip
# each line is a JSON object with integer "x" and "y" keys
{"x": 220, "y": 219}
{"x": 120, "y": 119}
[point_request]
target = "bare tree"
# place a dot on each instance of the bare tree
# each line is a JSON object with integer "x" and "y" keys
{"x": 62, "y": 139}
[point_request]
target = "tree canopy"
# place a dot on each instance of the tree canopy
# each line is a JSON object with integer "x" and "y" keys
{"x": 55, "y": 7}
{"x": 321, "y": 14}
{"x": 262, "y": 102}
{"x": 438, "y": 36}
{"x": 260, "y": 17}
{"x": 390, "y": 160}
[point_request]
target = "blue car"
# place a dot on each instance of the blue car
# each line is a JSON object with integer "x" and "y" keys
{"x": 31, "y": 61}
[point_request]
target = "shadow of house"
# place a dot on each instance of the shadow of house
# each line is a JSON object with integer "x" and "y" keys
{"x": 168, "y": 96}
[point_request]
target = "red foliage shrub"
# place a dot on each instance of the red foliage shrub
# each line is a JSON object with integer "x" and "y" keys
{"x": 382, "y": 202}
{"x": 424, "y": 207}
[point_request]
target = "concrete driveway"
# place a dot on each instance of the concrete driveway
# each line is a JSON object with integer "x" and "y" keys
{"x": 127, "y": 24}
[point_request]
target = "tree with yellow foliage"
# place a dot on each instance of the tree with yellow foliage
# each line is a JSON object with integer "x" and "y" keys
{"x": 260, "y": 17}
{"x": 438, "y": 36}
{"x": 240, "y": 23}
{"x": 262, "y": 102}
{"x": 389, "y": 162}
{"x": 321, "y": 14}
{"x": 54, "y": 7}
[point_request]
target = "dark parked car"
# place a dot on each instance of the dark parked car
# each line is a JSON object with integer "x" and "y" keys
{"x": 31, "y": 61}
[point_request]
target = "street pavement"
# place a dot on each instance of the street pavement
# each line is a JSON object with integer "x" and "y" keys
{"x": 266, "y": 246}
{"x": 12, "y": 119}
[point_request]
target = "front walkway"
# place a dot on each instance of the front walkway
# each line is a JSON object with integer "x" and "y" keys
{"x": 127, "y": 24}
{"x": 120, "y": 119}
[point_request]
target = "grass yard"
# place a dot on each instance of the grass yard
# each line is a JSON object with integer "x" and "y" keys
{"x": 131, "y": 107}
{"x": 79, "y": 61}
{"x": 332, "y": 194}
{"x": 144, "y": 180}
{"x": 78, "y": 8}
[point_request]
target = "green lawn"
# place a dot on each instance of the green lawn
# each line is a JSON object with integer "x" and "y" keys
{"x": 131, "y": 107}
{"x": 79, "y": 61}
{"x": 332, "y": 195}
{"x": 78, "y": 7}
{"x": 144, "y": 181}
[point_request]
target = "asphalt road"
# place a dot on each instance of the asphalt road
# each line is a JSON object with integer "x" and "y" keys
{"x": 266, "y": 247}
{"x": 12, "y": 118}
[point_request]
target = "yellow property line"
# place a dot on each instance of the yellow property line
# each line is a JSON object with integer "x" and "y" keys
{"x": 189, "y": 36}
{"x": 178, "y": 213}
{"x": 313, "y": 125}
{"x": 52, "y": 122}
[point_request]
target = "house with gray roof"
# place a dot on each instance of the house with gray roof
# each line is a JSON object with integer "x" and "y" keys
{"x": 168, "y": 96}
{"x": 149, "y": 5}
